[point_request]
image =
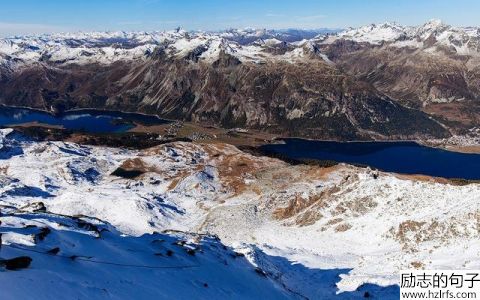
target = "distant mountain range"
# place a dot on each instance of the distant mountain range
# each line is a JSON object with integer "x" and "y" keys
{"x": 383, "y": 81}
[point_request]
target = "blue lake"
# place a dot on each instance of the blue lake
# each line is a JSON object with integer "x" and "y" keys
{"x": 399, "y": 157}
{"x": 87, "y": 120}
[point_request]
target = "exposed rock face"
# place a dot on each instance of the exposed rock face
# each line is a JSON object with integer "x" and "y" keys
{"x": 381, "y": 81}
{"x": 417, "y": 79}
{"x": 305, "y": 99}
{"x": 433, "y": 68}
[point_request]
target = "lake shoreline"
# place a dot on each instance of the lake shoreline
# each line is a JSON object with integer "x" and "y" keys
{"x": 88, "y": 120}
{"x": 82, "y": 110}
{"x": 404, "y": 157}
{"x": 468, "y": 149}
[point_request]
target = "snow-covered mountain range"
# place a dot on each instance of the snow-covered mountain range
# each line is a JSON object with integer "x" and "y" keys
{"x": 355, "y": 84}
{"x": 433, "y": 33}
{"x": 290, "y": 231}
{"x": 246, "y": 45}
{"x": 367, "y": 81}
{"x": 106, "y": 47}
{"x": 359, "y": 79}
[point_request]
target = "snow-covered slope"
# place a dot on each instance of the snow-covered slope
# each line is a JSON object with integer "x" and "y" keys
{"x": 311, "y": 231}
{"x": 431, "y": 34}
{"x": 85, "y": 258}
{"x": 386, "y": 32}
{"x": 247, "y": 45}
{"x": 108, "y": 47}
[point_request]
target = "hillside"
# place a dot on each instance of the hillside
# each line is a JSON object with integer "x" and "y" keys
{"x": 383, "y": 81}
{"x": 309, "y": 232}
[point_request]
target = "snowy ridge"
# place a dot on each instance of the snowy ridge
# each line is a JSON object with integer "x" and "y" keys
{"x": 430, "y": 34}
{"x": 375, "y": 34}
{"x": 246, "y": 45}
{"x": 108, "y": 47}
{"x": 341, "y": 218}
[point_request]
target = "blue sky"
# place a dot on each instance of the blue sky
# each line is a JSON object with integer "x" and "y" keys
{"x": 38, "y": 16}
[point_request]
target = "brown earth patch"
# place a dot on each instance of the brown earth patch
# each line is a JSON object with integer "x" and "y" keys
{"x": 321, "y": 173}
{"x": 422, "y": 178}
{"x": 334, "y": 221}
{"x": 180, "y": 176}
{"x": 411, "y": 233}
{"x": 464, "y": 149}
{"x": 343, "y": 227}
{"x": 4, "y": 170}
{"x": 295, "y": 205}
{"x": 136, "y": 164}
{"x": 308, "y": 218}
{"x": 356, "y": 207}
{"x": 431, "y": 179}
{"x": 234, "y": 166}
{"x": 133, "y": 168}
{"x": 417, "y": 265}
{"x": 407, "y": 227}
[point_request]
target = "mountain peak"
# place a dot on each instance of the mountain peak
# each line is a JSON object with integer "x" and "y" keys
{"x": 434, "y": 23}
{"x": 375, "y": 33}
{"x": 390, "y": 24}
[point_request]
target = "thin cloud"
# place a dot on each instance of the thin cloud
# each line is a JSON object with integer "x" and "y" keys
{"x": 167, "y": 22}
{"x": 13, "y": 29}
{"x": 311, "y": 18}
{"x": 148, "y": 25}
{"x": 130, "y": 23}
{"x": 274, "y": 15}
